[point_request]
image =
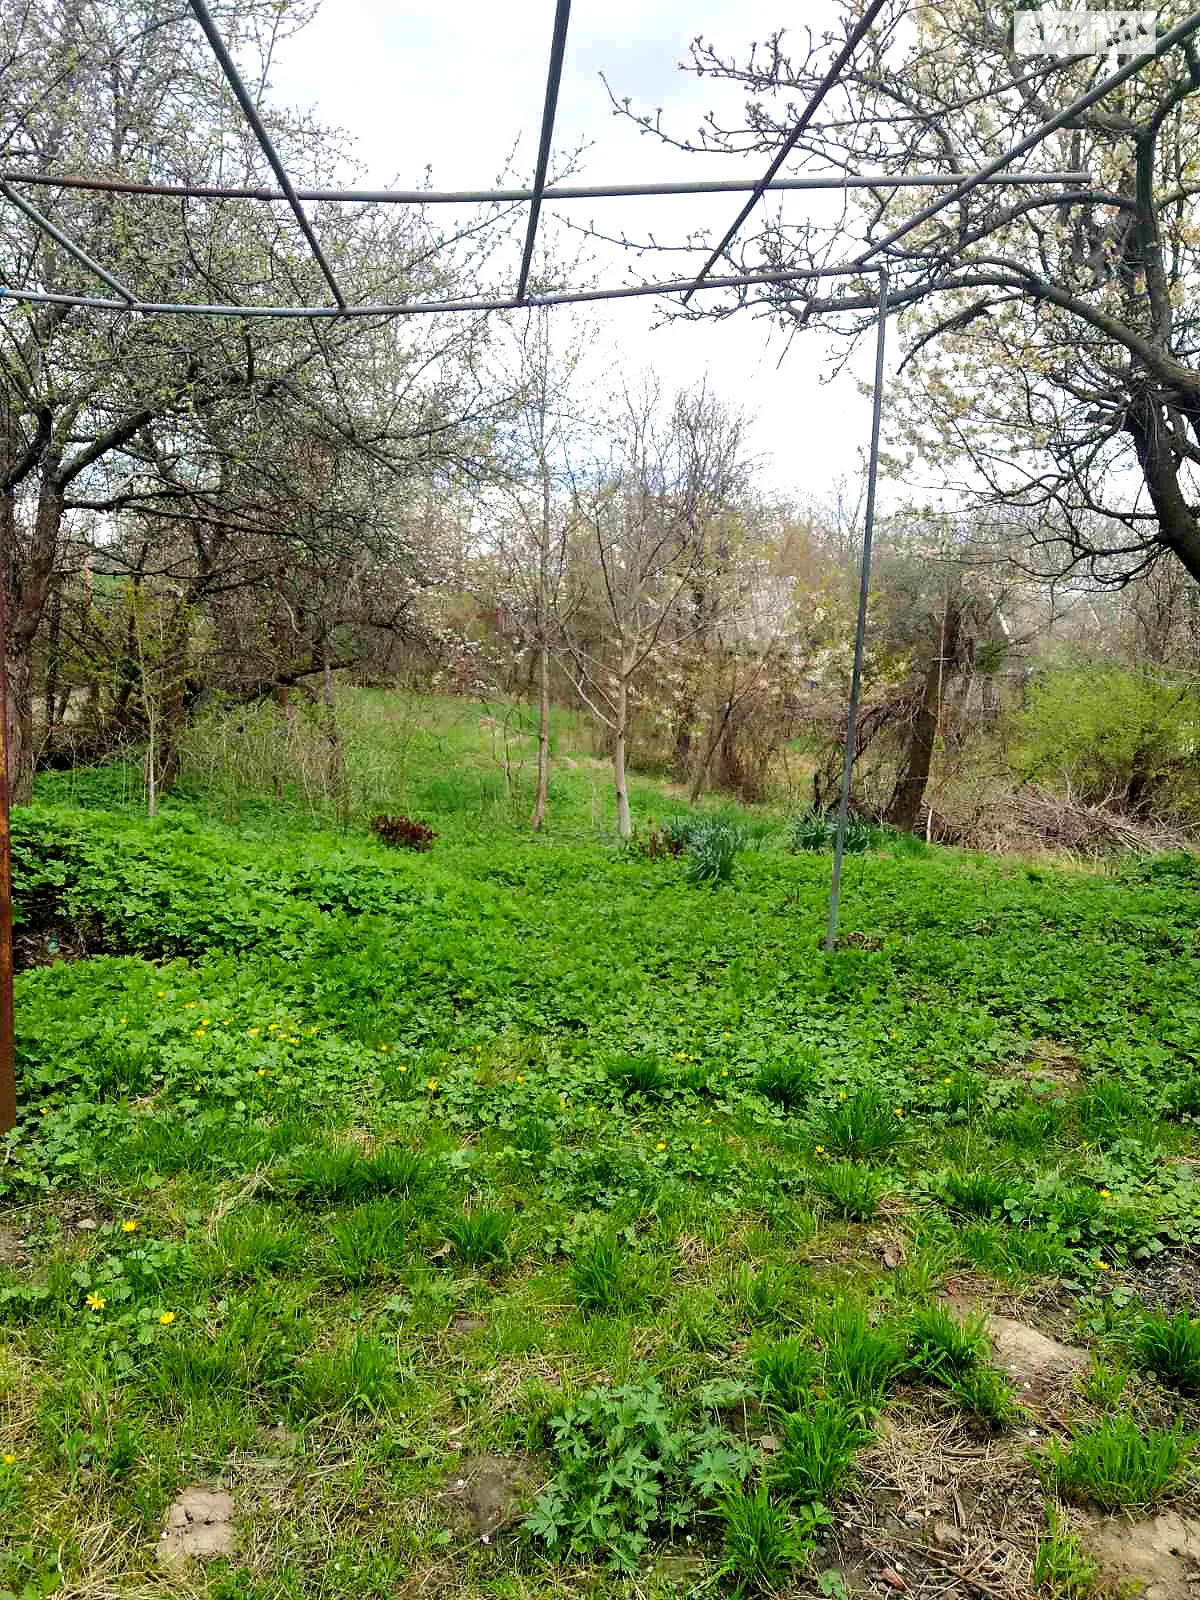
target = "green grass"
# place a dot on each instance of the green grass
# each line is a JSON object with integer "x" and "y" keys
{"x": 391, "y": 1161}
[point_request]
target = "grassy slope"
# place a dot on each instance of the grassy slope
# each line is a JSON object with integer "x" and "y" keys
{"x": 660, "y": 1132}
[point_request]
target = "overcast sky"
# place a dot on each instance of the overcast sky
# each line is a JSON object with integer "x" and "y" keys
{"x": 453, "y": 88}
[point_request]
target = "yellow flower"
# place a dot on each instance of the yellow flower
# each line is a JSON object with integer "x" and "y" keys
{"x": 520, "y": 1079}
{"x": 262, "y": 1072}
{"x": 385, "y": 1047}
{"x": 820, "y": 1150}
{"x": 95, "y": 1302}
{"x": 197, "y": 1033}
{"x": 130, "y": 1225}
{"x": 190, "y": 1005}
{"x": 708, "y": 1122}
{"x": 661, "y": 1145}
{"x": 898, "y": 1112}
{"x": 476, "y": 1047}
{"x": 841, "y": 1094}
{"x": 1106, "y": 1194}
{"x": 253, "y": 1032}
{"x": 162, "y": 994}
{"x": 9, "y": 1460}
{"x": 45, "y": 1111}
{"x": 167, "y": 1318}
{"x": 124, "y": 1020}
{"x": 1103, "y": 1266}
{"x": 947, "y": 1080}
{"x": 432, "y": 1083}
{"x": 204, "y": 1022}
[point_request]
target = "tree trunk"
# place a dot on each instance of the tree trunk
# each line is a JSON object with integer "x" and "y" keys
{"x": 904, "y": 809}
{"x": 543, "y": 757}
{"x": 333, "y": 733}
{"x": 620, "y": 739}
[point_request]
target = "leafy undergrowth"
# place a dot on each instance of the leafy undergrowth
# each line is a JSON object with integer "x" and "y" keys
{"x": 340, "y": 1166}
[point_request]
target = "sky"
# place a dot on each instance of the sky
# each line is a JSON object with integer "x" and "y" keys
{"x": 448, "y": 93}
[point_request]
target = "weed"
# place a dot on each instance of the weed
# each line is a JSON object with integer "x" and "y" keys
{"x": 1062, "y": 1568}
{"x": 636, "y": 1075}
{"x": 1169, "y": 1347}
{"x": 977, "y": 1195}
{"x": 861, "y": 1360}
{"x": 711, "y": 852}
{"x": 1104, "y": 1383}
{"x": 1117, "y": 1464}
{"x": 606, "y": 1275}
{"x": 943, "y": 1347}
{"x": 360, "y": 1378}
{"x": 373, "y": 1241}
{"x": 762, "y": 1542}
{"x": 850, "y": 1189}
{"x": 986, "y": 1395}
{"x": 480, "y": 1236}
{"x": 787, "y": 1083}
{"x": 785, "y": 1370}
{"x": 762, "y": 1293}
{"x": 863, "y": 1125}
{"x": 817, "y": 1451}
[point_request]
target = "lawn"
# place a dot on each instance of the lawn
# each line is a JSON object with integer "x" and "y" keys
{"x": 522, "y": 1218}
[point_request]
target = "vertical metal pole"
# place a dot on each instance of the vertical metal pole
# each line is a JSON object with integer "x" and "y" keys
{"x": 8, "y": 1071}
{"x": 860, "y": 635}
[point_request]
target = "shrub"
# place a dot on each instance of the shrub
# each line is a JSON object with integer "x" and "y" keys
{"x": 402, "y": 833}
{"x": 1116, "y": 1465}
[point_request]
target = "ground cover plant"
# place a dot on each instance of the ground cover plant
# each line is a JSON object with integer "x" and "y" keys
{"x": 535, "y": 1216}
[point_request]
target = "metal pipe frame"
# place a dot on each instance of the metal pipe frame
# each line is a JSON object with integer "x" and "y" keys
{"x": 860, "y": 629}
{"x": 1169, "y": 40}
{"x": 68, "y": 244}
{"x": 557, "y": 192}
{"x": 558, "y": 47}
{"x": 250, "y": 112}
{"x": 854, "y": 39}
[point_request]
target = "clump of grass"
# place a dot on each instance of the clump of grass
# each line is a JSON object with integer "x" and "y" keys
{"x": 1116, "y": 1464}
{"x": 337, "y": 1174}
{"x": 249, "y": 1247}
{"x": 785, "y": 1370}
{"x": 361, "y": 1379}
{"x": 979, "y": 1196}
{"x": 762, "y": 1293}
{"x": 480, "y": 1236}
{"x": 787, "y": 1084}
{"x": 1062, "y": 1568}
{"x": 762, "y": 1543}
{"x": 943, "y": 1347}
{"x": 1103, "y": 1384}
{"x": 250, "y": 1355}
{"x": 1169, "y": 1347}
{"x": 850, "y": 1189}
{"x": 863, "y": 1125}
{"x": 606, "y": 1276}
{"x": 636, "y": 1075}
{"x": 861, "y": 1360}
{"x": 371, "y": 1242}
{"x": 817, "y": 1452}
{"x": 712, "y": 849}
{"x": 986, "y": 1395}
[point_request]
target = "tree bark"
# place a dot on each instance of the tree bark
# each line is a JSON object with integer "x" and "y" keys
{"x": 620, "y": 740}
{"x": 543, "y": 619}
{"x": 904, "y": 809}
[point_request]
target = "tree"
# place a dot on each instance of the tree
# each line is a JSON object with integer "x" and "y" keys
{"x": 109, "y": 414}
{"x": 1053, "y": 333}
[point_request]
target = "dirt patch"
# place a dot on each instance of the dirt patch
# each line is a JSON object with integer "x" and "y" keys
{"x": 1170, "y": 1282}
{"x": 1051, "y": 1063}
{"x": 463, "y": 1324}
{"x": 12, "y": 1247}
{"x": 45, "y": 947}
{"x": 1161, "y": 1555}
{"x": 1037, "y": 1364}
{"x": 199, "y": 1524}
{"x": 485, "y": 1492}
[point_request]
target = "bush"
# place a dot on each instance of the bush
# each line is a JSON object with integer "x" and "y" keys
{"x": 402, "y": 833}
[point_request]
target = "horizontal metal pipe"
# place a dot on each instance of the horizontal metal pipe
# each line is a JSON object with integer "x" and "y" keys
{"x": 1172, "y": 37}
{"x": 258, "y": 128}
{"x": 833, "y": 72}
{"x": 555, "y": 192}
{"x": 74, "y": 250}
{"x": 418, "y": 307}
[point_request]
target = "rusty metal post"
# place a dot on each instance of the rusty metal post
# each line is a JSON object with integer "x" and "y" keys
{"x": 8, "y": 1069}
